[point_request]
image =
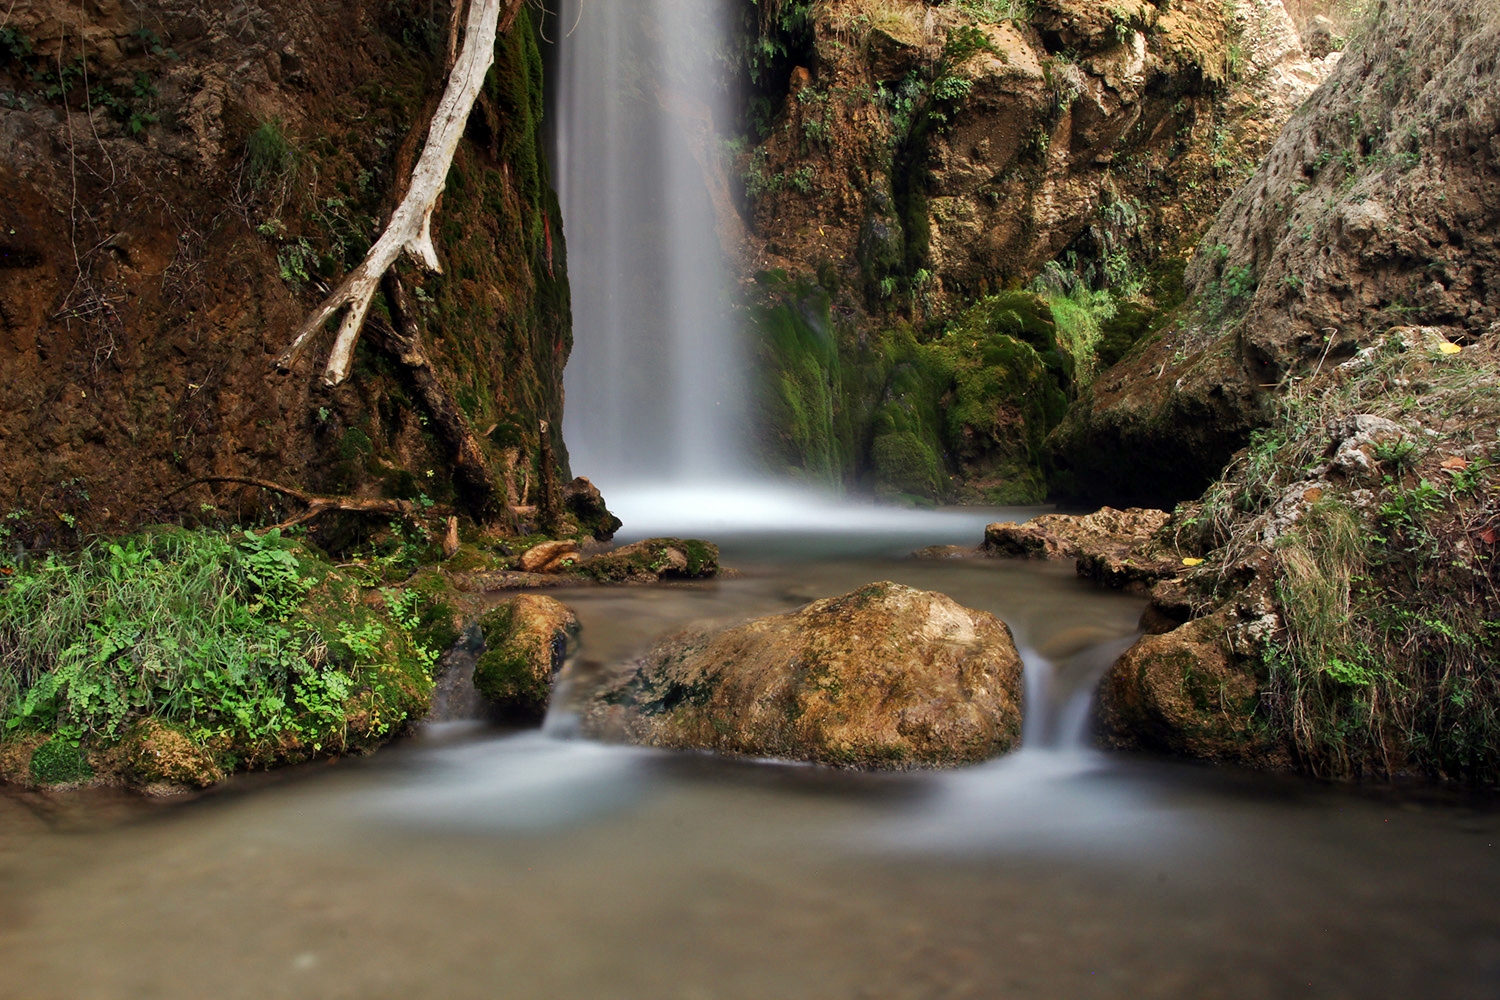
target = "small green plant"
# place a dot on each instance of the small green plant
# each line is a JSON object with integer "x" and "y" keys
{"x": 1399, "y": 455}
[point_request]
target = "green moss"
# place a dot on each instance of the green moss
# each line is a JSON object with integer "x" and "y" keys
{"x": 59, "y": 761}
{"x": 505, "y": 674}
{"x": 887, "y": 411}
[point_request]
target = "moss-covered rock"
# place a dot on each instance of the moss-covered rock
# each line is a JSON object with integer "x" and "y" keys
{"x": 154, "y": 754}
{"x": 655, "y": 559}
{"x": 59, "y": 761}
{"x": 586, "y": 505}
{"x": 885, "y": 677}
{"x": 527, "y": 640}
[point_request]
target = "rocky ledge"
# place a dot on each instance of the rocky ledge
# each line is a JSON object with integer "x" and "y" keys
{"x": 885, "y": 677}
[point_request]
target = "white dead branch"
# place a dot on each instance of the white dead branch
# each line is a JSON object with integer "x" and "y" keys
{"x": 410, "y": 228}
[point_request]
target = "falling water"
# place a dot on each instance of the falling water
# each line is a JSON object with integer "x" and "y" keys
{"x": 654, "y": 387}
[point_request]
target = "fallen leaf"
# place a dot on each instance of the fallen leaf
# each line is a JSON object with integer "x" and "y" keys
{"x": 1489, "y": 536}
{"x": 1455, "y": 463}
{"x": 1447, "y": 348}
{"x": 1313, "y": 495}
{"x": 1192, "y": 562}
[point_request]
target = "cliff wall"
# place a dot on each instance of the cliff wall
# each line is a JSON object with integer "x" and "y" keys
{"x": 183, "y": 181}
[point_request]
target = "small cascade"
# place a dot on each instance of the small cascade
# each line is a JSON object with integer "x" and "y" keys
{"x": 1059, "y": 694}
{"x": 655, "y": 384}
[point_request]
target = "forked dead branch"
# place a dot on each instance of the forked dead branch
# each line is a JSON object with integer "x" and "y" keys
{"x": 410, "y": 228}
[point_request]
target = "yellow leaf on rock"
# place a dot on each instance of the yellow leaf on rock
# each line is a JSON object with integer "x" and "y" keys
{"x": 1192, "y": 562}
{"x": 1447, "y": 348}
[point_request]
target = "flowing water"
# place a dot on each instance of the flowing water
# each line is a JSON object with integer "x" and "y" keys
{"x": 479, "y": 862}
{"x": 655, "y": 386}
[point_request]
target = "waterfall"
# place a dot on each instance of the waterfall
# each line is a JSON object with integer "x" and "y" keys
{"x": 655, "y": 387}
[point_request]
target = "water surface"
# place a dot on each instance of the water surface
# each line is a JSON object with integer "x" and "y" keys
{"x": 478, "y": 862}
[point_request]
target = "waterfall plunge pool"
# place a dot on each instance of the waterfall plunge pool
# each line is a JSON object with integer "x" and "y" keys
{"x": 477, "y": 862}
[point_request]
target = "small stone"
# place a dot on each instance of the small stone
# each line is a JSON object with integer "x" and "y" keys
{"x": 549, "y": 557}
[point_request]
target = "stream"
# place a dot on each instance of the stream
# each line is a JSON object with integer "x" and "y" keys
{"x": 475, "y": 861}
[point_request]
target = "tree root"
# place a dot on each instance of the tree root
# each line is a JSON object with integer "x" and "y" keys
{"x": 317, "y": 504}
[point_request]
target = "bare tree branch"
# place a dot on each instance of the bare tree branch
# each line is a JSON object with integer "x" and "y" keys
{"x": 410, "y": 228}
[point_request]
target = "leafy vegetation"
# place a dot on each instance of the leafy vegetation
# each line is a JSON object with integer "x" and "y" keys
{"x": 249, "y": 644}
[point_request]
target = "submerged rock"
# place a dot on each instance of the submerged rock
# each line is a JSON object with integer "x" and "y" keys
{"x": 1118, "y": 548}
{"x": 885, "y": 677}
{"x": 527, "y": 640}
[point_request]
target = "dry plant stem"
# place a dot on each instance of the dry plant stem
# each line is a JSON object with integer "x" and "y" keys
{"x": 410, "y": 228}
{"x": 318, "y": 505}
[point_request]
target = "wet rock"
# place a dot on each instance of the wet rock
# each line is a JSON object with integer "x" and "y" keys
{"x": 885, "y": 677}
{"x": 1171, "y": 607}
{"x": 1119, "y": 548}
{"x": 527, "y": 640}
{"x": 1183, "y": 692}
{"x": 550, "y": 557}
{"x": 584, "y": 501}
{"x": 159, "y": 758}
{"x": 946, "y": 552}
{"x": 655, "y": 559}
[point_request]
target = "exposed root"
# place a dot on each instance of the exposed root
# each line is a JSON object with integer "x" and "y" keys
{"x": 317, "y": 504}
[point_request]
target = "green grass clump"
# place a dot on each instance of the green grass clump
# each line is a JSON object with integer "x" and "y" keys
{"x": 250, "y": 642}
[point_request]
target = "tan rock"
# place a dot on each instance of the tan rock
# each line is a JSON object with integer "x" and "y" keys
{"x": 549, "y": 557}
{"x": 1184, "y": 692}
{"x": 1119, "y": 548}
{"x": 885, "y": 677}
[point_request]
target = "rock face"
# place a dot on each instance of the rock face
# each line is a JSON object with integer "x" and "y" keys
{"x": 586, "y": 505}
{"x": 885, "y": 677}
{"x": 267, "y": 138}
{"x": 930, "y": 159}
{"x": 1119, "y": 548}
{"x": 1375, "y": 208}
{"x": 527, "y": 640}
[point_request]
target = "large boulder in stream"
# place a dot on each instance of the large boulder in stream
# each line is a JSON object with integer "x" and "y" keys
{"x": 885, "y": 677}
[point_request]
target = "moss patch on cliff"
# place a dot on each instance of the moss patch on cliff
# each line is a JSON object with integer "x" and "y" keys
{"x": 902, "y": 414}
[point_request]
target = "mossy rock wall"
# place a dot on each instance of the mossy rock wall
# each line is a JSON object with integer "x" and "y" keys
{"x": 961, "y": 414}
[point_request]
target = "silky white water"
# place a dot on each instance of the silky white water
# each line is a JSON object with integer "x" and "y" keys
{"x": 655, "y": 386}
